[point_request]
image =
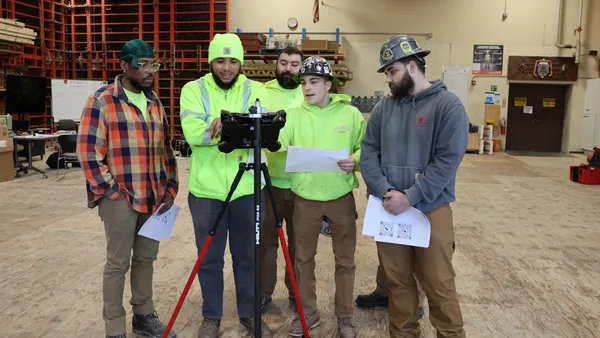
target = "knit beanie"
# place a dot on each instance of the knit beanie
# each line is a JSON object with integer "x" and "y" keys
{"x": 226, "y": 46}
{"x": 134, "y": 50}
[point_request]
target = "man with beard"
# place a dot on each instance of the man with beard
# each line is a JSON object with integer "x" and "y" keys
{"x": 130, "y": 170}
{"x": 284, "y": 93}
{"x": 414, "y": 143}
{"x": 211, "y": 175}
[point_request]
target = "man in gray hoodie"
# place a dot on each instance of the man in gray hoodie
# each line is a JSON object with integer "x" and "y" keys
{"x": 414, "y": 143}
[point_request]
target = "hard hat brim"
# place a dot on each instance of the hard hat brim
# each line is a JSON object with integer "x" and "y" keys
{"x": 422, "y": 53}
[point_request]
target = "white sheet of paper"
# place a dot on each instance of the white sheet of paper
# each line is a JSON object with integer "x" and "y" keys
{"x": 410, "y": 228}
{"x": 313, "y": 160}
{"x": 159, "y": 227}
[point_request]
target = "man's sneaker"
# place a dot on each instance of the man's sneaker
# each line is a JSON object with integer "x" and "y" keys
{"x": 421, "y": 313}
{"x": 346, "y": 327}
{"x": 264, "y": 302}
{"x": 248, "y": 324}
{"x": 371, "y": 300}
{"x": 312, "y": 322}
{"x": 149, "y": 326}
{"x": 119, "y": 336}
{"x": 209, "y": 328}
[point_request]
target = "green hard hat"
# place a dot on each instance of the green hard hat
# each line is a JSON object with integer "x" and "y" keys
{"x": 316, "y": 65}
{"x": 397, "y": 48}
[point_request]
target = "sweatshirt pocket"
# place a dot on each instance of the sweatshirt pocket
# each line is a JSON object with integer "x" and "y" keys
{"x": 401, "y": 178}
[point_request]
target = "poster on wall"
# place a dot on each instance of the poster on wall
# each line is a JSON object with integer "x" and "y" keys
{"x": 488, "y": 59}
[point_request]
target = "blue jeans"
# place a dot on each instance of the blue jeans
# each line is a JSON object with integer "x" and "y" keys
{"x": 239, "y": 221}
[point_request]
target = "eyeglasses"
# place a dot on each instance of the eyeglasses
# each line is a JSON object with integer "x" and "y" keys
{"x": 147, "y": 66}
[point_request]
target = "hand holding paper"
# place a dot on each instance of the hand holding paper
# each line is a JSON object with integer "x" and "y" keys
{"x": 410, "y": 228}
{"x": 314, "y": 160}
{"x": 159, "y": 227}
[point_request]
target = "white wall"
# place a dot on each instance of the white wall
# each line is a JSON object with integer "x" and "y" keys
{"x": 456, "y": 25}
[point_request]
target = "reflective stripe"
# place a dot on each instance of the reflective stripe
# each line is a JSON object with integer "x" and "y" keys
{"x": 188, "y": 112}
{"x": 247, "y": 92}
{"x": 206, "y": 103}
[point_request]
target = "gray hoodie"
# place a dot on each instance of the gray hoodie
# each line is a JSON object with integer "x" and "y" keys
{"x": 415, "y": 145}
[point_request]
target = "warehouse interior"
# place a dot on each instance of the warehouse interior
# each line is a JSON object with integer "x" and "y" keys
{"x": 526, "y": 228}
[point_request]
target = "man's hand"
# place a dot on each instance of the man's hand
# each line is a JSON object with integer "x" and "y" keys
{"x": 347, "y": 165}
{"x": 395, "y": 202}
{"x": 168, "y": 200}
{"x": 215, "y": 128}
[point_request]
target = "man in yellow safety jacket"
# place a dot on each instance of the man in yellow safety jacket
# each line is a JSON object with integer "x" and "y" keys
{"x": 284, "y": 93}
{"x": 325, "y": 121}
{"x": 211, "y": 175}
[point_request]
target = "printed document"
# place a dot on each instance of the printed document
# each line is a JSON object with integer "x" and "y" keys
{"x": 314, "y": 160}
{"x": 159, "y": 227}
{"x": 410, "y": 228}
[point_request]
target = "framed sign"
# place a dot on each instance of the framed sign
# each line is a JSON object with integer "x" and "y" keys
{"x": 488, "y": 59}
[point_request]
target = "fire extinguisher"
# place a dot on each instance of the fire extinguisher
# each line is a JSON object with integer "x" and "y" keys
{"x": 503, "y": 126}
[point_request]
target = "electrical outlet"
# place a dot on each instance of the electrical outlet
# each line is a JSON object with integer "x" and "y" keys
{"x": 593, "y": 53}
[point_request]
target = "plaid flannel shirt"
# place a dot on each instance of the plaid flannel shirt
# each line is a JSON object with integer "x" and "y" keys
{"x": 120, "y": 151}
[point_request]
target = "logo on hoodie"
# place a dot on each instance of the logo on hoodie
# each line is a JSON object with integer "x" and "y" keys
{"x": 342, "y": 129}
{"x": 420, "y": 122}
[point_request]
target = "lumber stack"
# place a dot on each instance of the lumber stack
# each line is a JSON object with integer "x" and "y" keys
{"x": 14, "y": 32}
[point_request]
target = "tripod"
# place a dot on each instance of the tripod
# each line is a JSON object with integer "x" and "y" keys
{"x": 245, "y": 131}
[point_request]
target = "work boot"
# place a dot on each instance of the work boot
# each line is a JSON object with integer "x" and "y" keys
{"x": 312, "y": 322}
{"x": 248, "y": 324}
{"x": 209, "y": 328}
{"x": 346, "y": 327}
{"x": 264, "y": 302}
{"x": 371, "y": 300}
{"x": 149, "y": 326}
{"x": 119, "y": 336}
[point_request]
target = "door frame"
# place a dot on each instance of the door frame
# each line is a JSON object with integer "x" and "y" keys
{"x": 566, "y": 116}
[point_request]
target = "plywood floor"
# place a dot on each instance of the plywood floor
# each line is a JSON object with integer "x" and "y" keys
{"x": 527, "y": 258}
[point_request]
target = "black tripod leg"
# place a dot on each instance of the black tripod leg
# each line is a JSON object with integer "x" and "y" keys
{"x": 234, "y": 185}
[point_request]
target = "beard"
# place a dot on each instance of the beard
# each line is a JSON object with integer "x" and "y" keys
{"x": 286, "y": 80}
{"x": 402, "y": 89}
{"x": 220, "y": 83}
{"x": 138, "y": 86}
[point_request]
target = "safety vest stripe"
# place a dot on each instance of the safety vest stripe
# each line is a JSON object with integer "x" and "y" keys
{"x": 188, "y": 112}
{"x": 247, "y": 93}
{"x": 206, "y": 103}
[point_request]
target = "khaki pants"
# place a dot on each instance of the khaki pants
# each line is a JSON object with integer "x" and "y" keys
{"x": 121, "y": 225}
{"x": 284, "y": 200}
{"x": 433, "y": 267}
{"x": 382, "y": 290}
{"x": 308, "y": 219}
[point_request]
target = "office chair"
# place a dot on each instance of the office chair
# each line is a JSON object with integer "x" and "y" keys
{"x": 67, "y": 125}
{"x": 67, "y": 150}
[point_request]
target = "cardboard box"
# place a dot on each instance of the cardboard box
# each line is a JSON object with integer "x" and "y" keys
{"x": 492, "y": 112}
{"x": 7, "y": 170}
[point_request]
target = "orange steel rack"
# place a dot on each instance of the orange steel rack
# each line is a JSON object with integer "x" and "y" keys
{"x": 81, "y": 39}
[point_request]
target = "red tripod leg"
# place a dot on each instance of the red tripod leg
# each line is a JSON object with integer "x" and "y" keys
{"x": 288, "y": 262}
{"x": 188, "y": 285}
{"x": 211, "y": 234}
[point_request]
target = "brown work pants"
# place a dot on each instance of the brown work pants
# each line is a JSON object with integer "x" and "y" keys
{"x": 121, "y": 225}
{"x": 284, "y": 202}
{"x": 308, "y": 219}
{"x": 382, "y": 290}
{"x": 433, "y": 267}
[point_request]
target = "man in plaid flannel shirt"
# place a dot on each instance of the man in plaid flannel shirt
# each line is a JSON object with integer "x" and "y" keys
{"x": 130, "y": 169}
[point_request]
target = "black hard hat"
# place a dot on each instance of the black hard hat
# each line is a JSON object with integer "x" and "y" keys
{"x": 316, "y": 65}
{"x": 397, "y": 48}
